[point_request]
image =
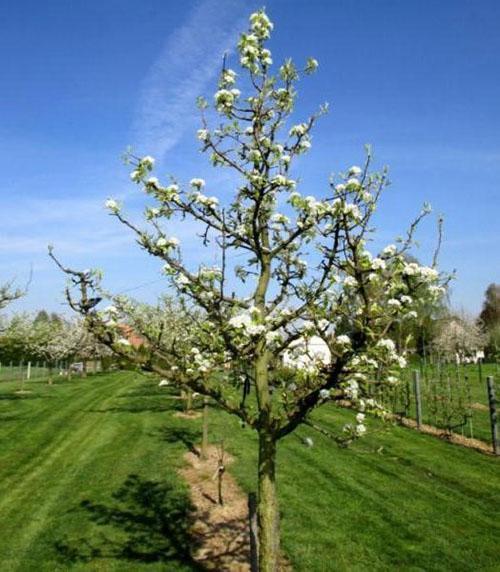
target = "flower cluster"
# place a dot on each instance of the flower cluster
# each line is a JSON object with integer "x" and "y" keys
{"x": 248, "y": 322}
{"x": 201, "y": 199}
{"x": 253, "y": 56}
{"x": 142, "y": 168}
{"x": 225, "y": 98}
{"x": 163, "y": 243}
{"x": 113, "y": 206}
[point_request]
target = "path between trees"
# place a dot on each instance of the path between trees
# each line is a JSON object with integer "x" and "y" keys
{"x": 223, "y": 530}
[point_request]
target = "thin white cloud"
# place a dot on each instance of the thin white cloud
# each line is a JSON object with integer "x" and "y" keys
{"x": 190, "y": 59}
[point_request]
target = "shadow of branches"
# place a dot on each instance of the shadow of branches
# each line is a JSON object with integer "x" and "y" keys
{"x": 187, "y": 436}
{"x": 147, "y": 521}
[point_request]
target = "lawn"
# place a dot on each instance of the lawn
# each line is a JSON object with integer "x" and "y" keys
{"x": 89, "y": 482}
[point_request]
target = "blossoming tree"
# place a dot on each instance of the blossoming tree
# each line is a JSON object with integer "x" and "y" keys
{"x": 459, "y": 338}
{"x": 8, "y": 294}
{"x": 306, "y": 272}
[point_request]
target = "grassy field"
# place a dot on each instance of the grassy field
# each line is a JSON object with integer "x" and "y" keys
{"x": 88, "y": 482}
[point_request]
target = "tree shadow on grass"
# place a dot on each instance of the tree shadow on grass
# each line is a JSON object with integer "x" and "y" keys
{"x": 184, "y": 435}
{"x": 143, "y": 403}
{"x": 134, "y": 408}
{"x": 147, "y": 521}
{"x": 17, "y": 396}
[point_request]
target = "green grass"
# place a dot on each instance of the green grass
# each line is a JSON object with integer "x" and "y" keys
{"x": 68, "y": 494}
{"x": 396, "y": 500}
{"x": 88, "y": 482}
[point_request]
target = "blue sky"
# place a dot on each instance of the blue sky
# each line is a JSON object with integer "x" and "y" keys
{"x": 83, "y": 80}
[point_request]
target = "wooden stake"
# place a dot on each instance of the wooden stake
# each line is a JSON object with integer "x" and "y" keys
{"x": 418, "y": 401}
{"x": 254, "y": 532}
{"x": 204, "y": 441}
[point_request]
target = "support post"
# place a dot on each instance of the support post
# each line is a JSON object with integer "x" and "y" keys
{"x": 204, "y": 440}
{"x": 28, "y": 372}
{"x": 254, "y": 532}
{"x": 418, "y": 401}
{"x": 493, "y": 414}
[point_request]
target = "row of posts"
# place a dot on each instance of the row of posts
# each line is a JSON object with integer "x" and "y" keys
{"x": 491, "y": 402}
{"x": 24, "y": 374}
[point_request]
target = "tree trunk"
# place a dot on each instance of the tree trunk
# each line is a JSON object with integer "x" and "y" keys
{"x": 267, "y": 508}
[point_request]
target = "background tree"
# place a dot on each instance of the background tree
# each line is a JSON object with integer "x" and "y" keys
{"x": 490, "y": 320}
{"x": 55, "y": 342}
{"x": 90, "y": 349}
{"x": 303, "y": 270}
{"x": 490, "y": 314}
{"x": 458, "y": 337}
{"x": 15, "y": 337}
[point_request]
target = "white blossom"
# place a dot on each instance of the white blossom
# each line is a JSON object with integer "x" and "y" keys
{"x": 242, "y": 320}
{"x": 197, "y": 183}
{"x": 298, "y": 130}
{"x": 112, "y": 205}
{"x": 378, "y": 264}
{"x": 401, "y": 361}
{"x": 202, "y": 134}
{"x": 389, "y": 250}
{"x": 350, "y": 281}
{"x": 148, "y": 161}
{"x": 360, "y": 429}
{"x": 352, "y": 210}
{"x": 386, "y": 344}
{"x": 343, "y": 340}
{"x": 355, "y": 171}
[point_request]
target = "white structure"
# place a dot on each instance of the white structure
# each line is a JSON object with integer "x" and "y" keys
{"x": 307, "y": 353}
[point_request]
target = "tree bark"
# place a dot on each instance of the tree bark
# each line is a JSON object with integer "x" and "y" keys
{"x": 267, "y": 507}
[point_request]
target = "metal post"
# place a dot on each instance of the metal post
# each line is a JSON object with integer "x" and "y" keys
{"x": 28, "y": 371}
{"x": 493, "y": 414}
{"x": 418, "y": 402}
